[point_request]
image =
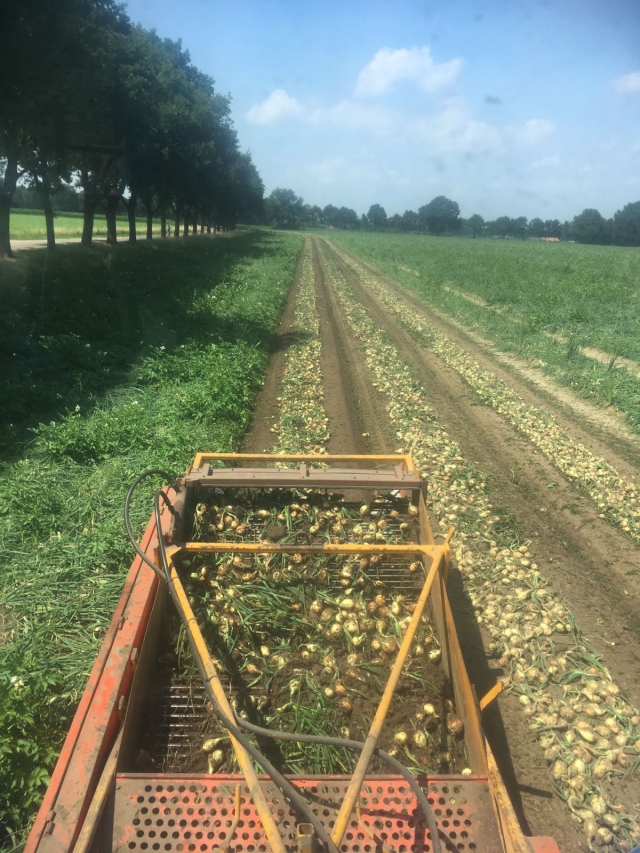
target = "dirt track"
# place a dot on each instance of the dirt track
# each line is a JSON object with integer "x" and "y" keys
{"x": 592, "y": 565}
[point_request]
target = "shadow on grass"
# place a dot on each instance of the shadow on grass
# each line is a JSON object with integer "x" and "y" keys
{"x": 74, "y": 323}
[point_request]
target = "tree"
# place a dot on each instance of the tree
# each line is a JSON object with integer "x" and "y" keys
{"x": 377, "y": 216}
{"x": 284, "y": 208}
{"x": 590, "y": 227}
{"x": 475, "y": 224}
{"x": 536, "y": 228}
{"x": 440, "y": 216}
{"x": 518, "y": 227}
{"x": 394, "y": 222}
{"x": 626, "y": 225}
{"x": 552, "y": 228}
{"x": 410, "y": 221}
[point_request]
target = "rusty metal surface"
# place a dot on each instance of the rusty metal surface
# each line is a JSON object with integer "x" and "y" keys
{"x": 192, "y": 814}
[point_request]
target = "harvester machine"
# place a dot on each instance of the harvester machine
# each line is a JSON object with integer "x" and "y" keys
{"x": 182, "y": 741}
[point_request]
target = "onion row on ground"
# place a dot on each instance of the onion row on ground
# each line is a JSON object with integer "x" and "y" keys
{"x": 588, "y": 730}
{"x": 303, "y": 425}
{"x": 617, "y": 499}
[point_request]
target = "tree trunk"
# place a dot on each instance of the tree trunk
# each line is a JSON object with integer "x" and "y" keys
{"x": 209, "y": 227}
{"x": 176, "y": 229}
{"x": 202, "y": 225}
{"x": 131, "y": 213}
{"x": 195, "y": 225}
{"x": 163, "y": 223}
{"x": 186, "y": 224}
{"x": 44, "y": 191}
{"x": 89, "y": 205}
{"x": 150, "y": 223}
{"x": 110, "y": 214}
{"x": 6, "y": 194}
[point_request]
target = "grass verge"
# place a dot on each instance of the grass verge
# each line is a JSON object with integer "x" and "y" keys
{"x": 152, "y": 353}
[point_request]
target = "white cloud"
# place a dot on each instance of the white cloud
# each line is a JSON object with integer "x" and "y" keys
{"x": 416, "y": 63}
{"x": 352, "y": 114}
{"x": 545, "y": 163}
{"x": 532, "y": 132}
{"x": 628, "y": 83}
{"x": 279, "y": 105}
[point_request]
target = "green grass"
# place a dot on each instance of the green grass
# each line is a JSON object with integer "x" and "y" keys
{"x": 119, "y": 360}
{"x": 31, "y": 226}
{"x": 588, "y": 294}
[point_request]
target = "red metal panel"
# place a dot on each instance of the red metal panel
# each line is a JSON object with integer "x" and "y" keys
{"x": 94, "y": 725}
{"x": 193, "y": 814}
{"x": 543, "y": 844}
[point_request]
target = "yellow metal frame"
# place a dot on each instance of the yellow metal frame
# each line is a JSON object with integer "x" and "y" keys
{"x": 394, "y": 458}
{"x": 434, "y": 588}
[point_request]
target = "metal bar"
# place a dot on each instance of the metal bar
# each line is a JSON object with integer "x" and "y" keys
{"x": 292, "y": 478}
{"x": 303, "y": 457}
{"x": 353, "y": 791}
{"x": 328, "y": 548}
{"x": 96, "y": 808}
{"x": 244, "y": 761}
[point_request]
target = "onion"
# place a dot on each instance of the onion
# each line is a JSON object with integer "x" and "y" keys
{"x": 215, "y": 760}
{"x": 400, "y": 738}
{"x": 420, "y": 740}
{"x": 455, "y": 726}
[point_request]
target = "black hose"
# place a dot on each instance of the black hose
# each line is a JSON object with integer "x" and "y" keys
{"x": 297, "y": 800}
{"x": 359, "y": 745}
{"x": 170, "y": 480}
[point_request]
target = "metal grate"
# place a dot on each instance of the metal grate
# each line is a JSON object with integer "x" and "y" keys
{"x": 183, "y": 814}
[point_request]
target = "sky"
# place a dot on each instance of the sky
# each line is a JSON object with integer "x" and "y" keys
{"x": 509, "y": 107}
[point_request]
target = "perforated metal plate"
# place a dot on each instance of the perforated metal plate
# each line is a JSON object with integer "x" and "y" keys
{"x": 185, "y": 814}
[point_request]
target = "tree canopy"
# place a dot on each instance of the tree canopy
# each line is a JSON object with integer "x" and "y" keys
{"x": 377, "y": 216}
{"x": 89, "y": 99}
{"x": 441, "y": 215}
{"x": 626, "y": 225}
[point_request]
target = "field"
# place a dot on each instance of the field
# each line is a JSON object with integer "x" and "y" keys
{"x": 31, "y": 226}
{"x": 379, "y": 348}
{"x": 573, "y": 311}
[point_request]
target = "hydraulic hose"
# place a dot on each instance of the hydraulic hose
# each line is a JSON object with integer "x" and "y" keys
{"x": 422, "y": 800}
{"x": 170, "y": 480}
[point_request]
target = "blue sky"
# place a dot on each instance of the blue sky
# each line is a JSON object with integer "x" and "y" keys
{"x": 510, "y": 107}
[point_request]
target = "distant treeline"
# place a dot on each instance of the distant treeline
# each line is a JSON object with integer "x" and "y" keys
{"x": 441, "y": 217}
{"x": 100, "y": 115}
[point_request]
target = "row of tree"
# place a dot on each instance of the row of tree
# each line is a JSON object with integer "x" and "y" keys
{"x": 442, "y": 216}
{"x": 89, "y": 99}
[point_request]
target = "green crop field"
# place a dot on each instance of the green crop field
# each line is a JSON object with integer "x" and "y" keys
{"x": 31, "y": 226}
{"x": 585, "y": 296}
{"x": 112, "y": 362}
